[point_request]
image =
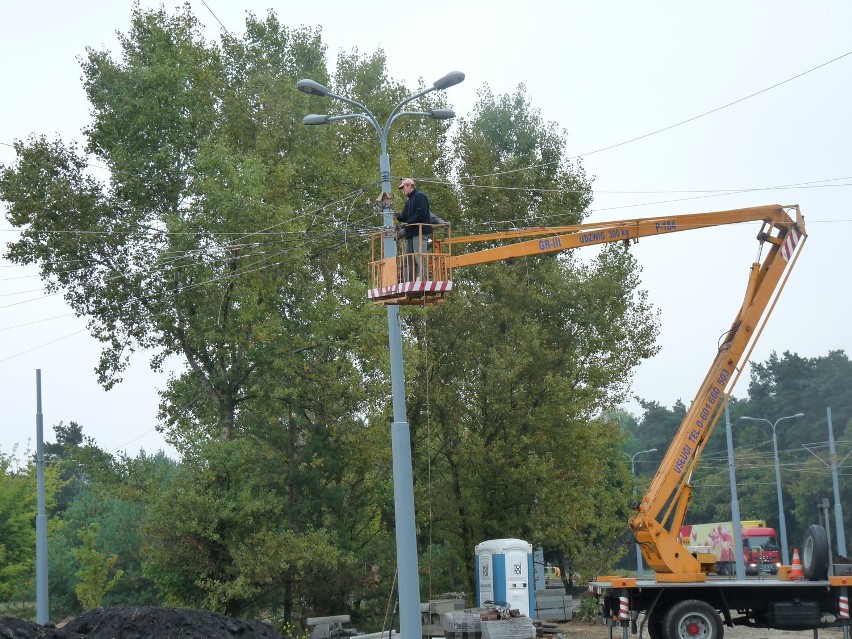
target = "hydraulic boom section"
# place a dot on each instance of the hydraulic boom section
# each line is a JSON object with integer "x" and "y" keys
{"x": 661, "y": 512}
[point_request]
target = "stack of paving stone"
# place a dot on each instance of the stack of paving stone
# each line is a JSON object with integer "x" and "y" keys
{"x": 553, "y": 605}
{"x": 431, "y": 615}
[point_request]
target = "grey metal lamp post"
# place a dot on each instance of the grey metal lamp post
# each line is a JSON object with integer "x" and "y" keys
{"x": 403, "y": 477}
{"x": 640, "y": 570}
{"x": 785, "y": 556}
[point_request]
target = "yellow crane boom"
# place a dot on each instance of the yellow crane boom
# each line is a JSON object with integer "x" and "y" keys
{"x": 660, "y": 513}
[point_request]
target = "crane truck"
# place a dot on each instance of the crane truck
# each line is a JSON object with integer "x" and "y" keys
{"x": 680, "y": 602}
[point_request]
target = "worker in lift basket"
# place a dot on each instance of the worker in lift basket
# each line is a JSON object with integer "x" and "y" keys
{"x": 416, "y": 216}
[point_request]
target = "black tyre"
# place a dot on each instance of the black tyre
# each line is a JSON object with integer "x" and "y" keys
{"x": 693, "y": 619}
{"x": 815, "y": 553}
{"x": 655, "y": 625}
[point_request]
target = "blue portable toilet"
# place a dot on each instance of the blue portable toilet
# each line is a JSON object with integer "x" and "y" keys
{"x": 504, "y": 573}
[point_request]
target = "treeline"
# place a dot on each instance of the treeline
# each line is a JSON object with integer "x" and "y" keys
{"x": 215, "y": 533}
{"x": 782, "y": 386}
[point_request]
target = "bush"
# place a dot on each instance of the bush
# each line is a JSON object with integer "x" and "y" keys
{"x": 589, "y": 609}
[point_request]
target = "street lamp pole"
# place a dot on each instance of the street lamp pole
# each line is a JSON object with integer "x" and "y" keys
{"x": 785, "y": 556}
{"x": 640, "y": 569}
{"x": 403, "y": 477}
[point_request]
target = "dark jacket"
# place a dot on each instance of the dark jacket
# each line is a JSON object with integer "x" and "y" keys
{"x": 415, "y": 211}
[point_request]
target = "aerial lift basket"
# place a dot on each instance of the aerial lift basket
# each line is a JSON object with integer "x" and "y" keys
{"x": 410, "y": 278}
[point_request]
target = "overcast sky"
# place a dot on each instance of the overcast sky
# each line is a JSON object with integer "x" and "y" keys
{"x": 746, "y": 103}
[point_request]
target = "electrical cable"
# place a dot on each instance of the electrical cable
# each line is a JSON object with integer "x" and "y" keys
{"x": 666, "y": 128}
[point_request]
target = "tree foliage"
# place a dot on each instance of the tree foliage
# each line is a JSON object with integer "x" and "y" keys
{"x": 508, "y": 383}
{"x": 18, "y": 510}
{"x": 98, "y": 574}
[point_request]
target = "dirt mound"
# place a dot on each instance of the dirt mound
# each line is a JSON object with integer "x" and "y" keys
{"x": 166, "y": 623}
{"x": 11, "y": 628}
{"x": 142, "y": 623}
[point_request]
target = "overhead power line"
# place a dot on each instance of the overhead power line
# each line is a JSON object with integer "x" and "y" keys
{"x": 669, "y": 127}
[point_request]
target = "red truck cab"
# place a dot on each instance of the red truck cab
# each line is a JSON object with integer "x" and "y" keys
{"x": 761, "y": 552}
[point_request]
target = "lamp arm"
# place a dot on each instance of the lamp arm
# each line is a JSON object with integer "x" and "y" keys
{"x": 402, "y": 113}
{"x": 366, "y": 113}
{"x": 395, "y": 112}
{"x": 361, "y": 116}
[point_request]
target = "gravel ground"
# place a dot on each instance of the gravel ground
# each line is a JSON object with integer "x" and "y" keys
{"x": 584, "y": 630}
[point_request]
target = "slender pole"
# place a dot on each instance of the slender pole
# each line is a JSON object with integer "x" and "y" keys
{"x": 42, "y": 605}
{"x": 735, "y": 502}
{"x": 640, "y": 567}
{"x": 403, "y": 476}
{"x": 782, "y": 524}
{"x": 838, "y": 508}
{"x": 781, "y": 521}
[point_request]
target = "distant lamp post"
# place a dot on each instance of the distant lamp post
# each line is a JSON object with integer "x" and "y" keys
{"x": 785, "y": 556}
{"x": 640, "y": 570}
{"x": 403, "y": 478}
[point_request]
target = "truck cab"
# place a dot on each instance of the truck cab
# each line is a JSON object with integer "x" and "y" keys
{"x": 761, "y": 552}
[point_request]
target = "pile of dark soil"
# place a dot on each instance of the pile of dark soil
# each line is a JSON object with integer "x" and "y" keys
{"x": 142, "y": 623}
{"x": 11, "y": 628}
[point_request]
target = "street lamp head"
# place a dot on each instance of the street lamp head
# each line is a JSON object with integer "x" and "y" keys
{"x": 451, "y": 79}
{"x": 442, "y": 114}
{"x": 315, "y": 118}
{"x": 312, "y": 88}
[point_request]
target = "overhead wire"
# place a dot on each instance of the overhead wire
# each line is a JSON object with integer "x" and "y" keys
{"x": 301, "y": 240}
{"x": 666, "y": 128}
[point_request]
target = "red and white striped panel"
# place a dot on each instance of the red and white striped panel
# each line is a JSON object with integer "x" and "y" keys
{"x": 623, "y": 609}
{"x": 843, "y": 607}
{"x": 790, "y": 243}
{"x": 395, "y": 290}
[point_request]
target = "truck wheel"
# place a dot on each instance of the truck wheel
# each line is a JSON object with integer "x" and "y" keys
{"x": 815, "y": 553}
{"x": 655, "y": 625}
{"x": 693, "y": 619}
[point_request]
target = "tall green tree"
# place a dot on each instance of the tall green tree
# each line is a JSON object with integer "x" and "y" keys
{"x": 18, "y": 509}
{"x": 222, "y": 238}
{"x": 509, "y": 378}
{"x": 98, "y": 574}
{"x": 195, "y": 245}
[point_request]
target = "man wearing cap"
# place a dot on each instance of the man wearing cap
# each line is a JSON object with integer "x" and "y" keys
{"x": 415, "y": 215}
